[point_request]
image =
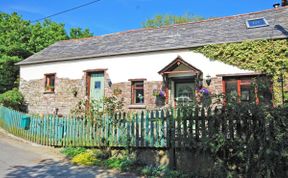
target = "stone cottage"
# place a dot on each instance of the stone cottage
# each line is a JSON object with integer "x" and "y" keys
{"x": 145, "y": 64}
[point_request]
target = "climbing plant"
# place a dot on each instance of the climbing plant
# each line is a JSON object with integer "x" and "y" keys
{"x": 265, "y": 56}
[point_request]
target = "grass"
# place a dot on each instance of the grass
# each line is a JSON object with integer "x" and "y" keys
{"x": 71, "y": 152}
{"x": 123, "y": 162}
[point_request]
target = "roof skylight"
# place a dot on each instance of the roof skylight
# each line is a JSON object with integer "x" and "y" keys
{"x": 256, "y": 23}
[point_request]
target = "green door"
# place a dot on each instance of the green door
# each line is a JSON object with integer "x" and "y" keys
{"x": 96, "y": 86}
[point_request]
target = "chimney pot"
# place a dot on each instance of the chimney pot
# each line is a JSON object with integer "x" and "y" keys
{"x": 284, "y": 3}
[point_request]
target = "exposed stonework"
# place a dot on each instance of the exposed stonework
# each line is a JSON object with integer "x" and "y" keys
{"x": 108, "y": 91}
{"x": 216, "y": 86}
{"x": 63, "y": 98}
{"x": 149, "y": 99}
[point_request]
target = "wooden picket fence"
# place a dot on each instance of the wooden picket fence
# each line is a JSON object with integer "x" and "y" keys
{"x": 149, "y": 129}
{"x": 138, "y": 130}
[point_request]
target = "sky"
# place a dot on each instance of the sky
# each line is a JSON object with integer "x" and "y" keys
{"x": 109, "y": 16}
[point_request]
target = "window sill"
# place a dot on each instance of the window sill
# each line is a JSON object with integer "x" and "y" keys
{"x": 48, "y": 92}
{"x": 137, "y": 106}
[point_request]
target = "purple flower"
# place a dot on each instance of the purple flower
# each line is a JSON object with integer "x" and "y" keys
{"x": 204, "y": 91}
{"x": 161, "y": 93}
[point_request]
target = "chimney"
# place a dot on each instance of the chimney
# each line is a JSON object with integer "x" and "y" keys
{"x": 284, "y": 3}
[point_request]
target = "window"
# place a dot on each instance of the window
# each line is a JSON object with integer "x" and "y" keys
{"x": 49, "y": 82}
{"x": 240, "y": 89}
{"x": 137, "y": 92}
{"x": 255, "y": 23}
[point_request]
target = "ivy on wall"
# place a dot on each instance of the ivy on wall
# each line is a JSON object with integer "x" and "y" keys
{"x": 265, "y": 56}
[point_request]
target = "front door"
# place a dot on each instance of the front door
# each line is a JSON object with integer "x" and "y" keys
{"x": 96, "y": 86}
{"x": 184, "y": 92}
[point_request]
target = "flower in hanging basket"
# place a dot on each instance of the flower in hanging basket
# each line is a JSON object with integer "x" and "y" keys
{"x": 158, "y": 93}
{"x": 162, "y": 94}
{"x": 155, "y": 92}
{"x": 204, "y": 91}
{"x": 203, "y": 96}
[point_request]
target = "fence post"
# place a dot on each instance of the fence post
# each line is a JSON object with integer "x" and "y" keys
{"x": 137, "y": 130}
{"x": 171, "y": 138}
{"x": 142, "y": 129}
{"x": 147, "y": 138}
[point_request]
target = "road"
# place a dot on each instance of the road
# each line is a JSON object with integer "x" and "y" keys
{"x": 22, "y": 159}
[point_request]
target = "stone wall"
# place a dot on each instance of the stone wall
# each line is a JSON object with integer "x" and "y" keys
{"x": 150, "y": 101}
{"x": 63, "y": 98}
{"x": 41, "y": 102}
{"x": 178, "y": 158}
{"x": 216, "y": 86}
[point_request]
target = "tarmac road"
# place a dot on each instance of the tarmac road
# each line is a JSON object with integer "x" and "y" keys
{"x": 21, "y": 159}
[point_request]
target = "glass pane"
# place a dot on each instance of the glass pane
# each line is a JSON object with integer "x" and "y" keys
{"x": 261, "y": 22}
{"x": 245, "y": 93}
{"x": 52, "y": 81}
{"x": 231, "y": 88}
{"x": 139, "y": 84}
{"x": 139, "y": 98}
{"x": 97, "y": 85}
{"x": 184, "y": 92}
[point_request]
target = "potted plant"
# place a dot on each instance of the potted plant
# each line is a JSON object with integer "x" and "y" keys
{"x": 49, "y": 88}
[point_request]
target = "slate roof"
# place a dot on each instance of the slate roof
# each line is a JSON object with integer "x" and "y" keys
{"x": 181, "y": 36}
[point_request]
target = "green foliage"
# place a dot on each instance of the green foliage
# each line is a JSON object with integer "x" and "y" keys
{"x": 164, "y": 20}
{"x": 100, "y": 157}
{"x": 97, "y": 108}
{"x": 86, "y": 158}
{"x": 76, "y": 33}
{"x": 244, "y": 139}
{"x": 44, "y": 34}
{"x": 123, "y": 163}
{"x": 15, "y": 34}
{"x": 261, "y": 55}
{"x": 20, "y": 39}
{"x": 102, "y": 154}
{"x": 8, "y": 73}
{"x": 70, "y": 152}
{"x": 13, "y": 99}
{"x": 161, "y": 171}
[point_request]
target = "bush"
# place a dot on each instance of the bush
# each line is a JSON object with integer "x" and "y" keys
{"x": 124, "y": 163}
{"x": 13, "y": 99}
{"x": 101, "y": 154}
{"x": 87, "y": 159}
{"x": 70, "y": 152}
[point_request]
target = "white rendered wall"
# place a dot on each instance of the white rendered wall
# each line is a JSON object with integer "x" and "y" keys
{"x": 124, "y": 67}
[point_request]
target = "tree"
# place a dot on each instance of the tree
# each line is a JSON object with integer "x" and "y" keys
{"x": 164, "y": 20}
{"x": 76, "y": 33}
{"x": 20, "y": 39}
{"x": 14, "y": 36}
{"x": 45, "y": 34}
{"x": 8, "y": 73}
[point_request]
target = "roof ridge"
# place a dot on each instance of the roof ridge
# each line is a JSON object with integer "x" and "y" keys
{"x": 175, "y": 25}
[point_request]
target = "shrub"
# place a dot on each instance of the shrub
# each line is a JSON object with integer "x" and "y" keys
{"x": 114, "y": 163}
{"x": 87, "y": 159}
{"x": 13, "y": 99}
{"x": 101, "y": 154}
{"x": 70, "y": 152}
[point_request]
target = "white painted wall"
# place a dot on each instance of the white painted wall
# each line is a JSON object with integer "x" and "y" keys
{"x": 124, "y": 67}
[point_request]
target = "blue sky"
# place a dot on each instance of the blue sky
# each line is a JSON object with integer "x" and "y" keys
{"x": 108, "y": 16}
